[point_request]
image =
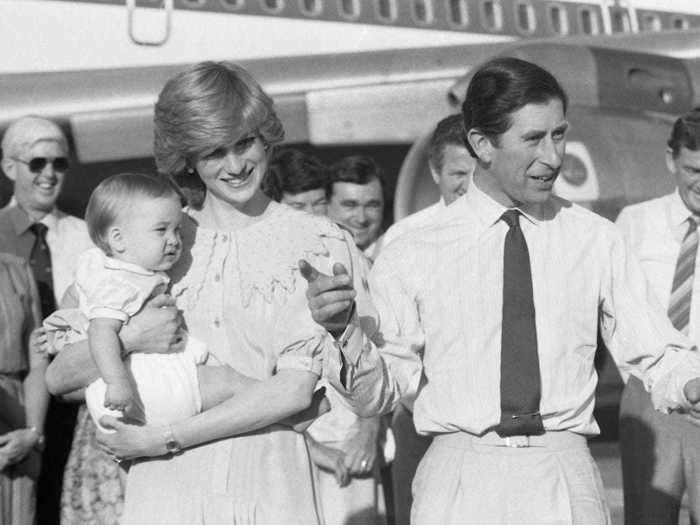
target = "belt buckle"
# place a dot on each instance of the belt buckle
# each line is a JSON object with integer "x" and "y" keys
{"x": 517, "y": 441}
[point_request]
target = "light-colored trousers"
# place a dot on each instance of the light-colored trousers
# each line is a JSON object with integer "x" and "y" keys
{"x": 660, "y": 460}
{"x": 464, "y": 479}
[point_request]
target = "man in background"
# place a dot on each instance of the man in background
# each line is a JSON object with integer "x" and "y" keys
{"x": 451, "y": 167}
{"x": 357, "y": 200}
{"x": 661, "y": 452}
{"x": 35, "y": 157}
{"x": 298, "y": 180}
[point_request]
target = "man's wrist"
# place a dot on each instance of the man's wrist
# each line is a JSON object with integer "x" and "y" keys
{"x": 38, "y": 436}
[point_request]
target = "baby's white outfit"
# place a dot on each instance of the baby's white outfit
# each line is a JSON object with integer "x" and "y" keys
{"x": 167, "y": 386}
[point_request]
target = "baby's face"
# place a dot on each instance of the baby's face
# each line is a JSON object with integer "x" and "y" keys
{"x": 150, "y": 230}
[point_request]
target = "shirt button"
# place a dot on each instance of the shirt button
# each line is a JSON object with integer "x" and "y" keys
{"x": 217, "y": 277}
{"x": 224, "y": 238}
{"x": 216, "y": 322}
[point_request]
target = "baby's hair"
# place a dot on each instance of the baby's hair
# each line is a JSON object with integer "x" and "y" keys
{"x": 115, "y": 193}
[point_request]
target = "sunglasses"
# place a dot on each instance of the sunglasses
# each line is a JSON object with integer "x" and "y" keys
{"x": 37, "y": 164}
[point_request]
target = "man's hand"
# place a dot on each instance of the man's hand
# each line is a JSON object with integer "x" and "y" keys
{"x": 330, "y": 297}
{"x": 361, "y": 447}
{"x": 16, "y": 444}
{"x": 156, "y": 329}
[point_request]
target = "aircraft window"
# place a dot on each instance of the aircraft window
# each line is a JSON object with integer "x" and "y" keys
{"x": 620, "y": 21}
{"x": 311, "y": 7}
{"x": 349, "y": 8}
{"x": 458, "y": 11}
{"x": 525, "y": 17}
{"x": 386, "y": 9}
{"x": 651, "y": 22}
{"x": 558, "y": 20}
{"x": 423, "y": 11}
{"x": 492, "y": 15}
{"x": 232, "y": 4}
{"x": 679, "y": 22}
{"x": 273, "y": 5}
{"x": 195, "y": 3}
{"x": 588, "y": 22}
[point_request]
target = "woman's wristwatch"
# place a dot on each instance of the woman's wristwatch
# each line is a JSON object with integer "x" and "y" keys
{"x": 40, "y": 440}
{"x": 172, "y": 445}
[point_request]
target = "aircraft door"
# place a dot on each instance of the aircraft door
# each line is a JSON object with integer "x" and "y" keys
{"x": 149, "y": 21}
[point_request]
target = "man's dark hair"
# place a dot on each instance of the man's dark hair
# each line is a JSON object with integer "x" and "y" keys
{"x": 501, "y": 87}
{"x": 686, "y": 132}
{"x": 292, "y": 171}
{"x": 449, "y": 131}
{"x": 356, "y": 169}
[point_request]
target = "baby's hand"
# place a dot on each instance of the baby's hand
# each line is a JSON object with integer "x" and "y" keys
{"x": 119, "y": 396}
{"x": 39, "y": 341}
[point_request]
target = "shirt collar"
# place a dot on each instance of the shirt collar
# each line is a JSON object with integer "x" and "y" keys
{"x": 21, "y": 220}
{"x": 489, "y": 212}
{"x": 679, "y": 213}
{"x": 116, "y": 264}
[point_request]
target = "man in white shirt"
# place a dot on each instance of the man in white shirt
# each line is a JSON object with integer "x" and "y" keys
{"x": 35, "y": 157}
{"x": 490, "y": 316}
{"x": 661, "y": 452}
{"x": 451, "y": 167}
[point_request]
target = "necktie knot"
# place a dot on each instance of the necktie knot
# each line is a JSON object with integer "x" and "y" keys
{"x": 511, "y": 218}
{"x": 39, "y": 229}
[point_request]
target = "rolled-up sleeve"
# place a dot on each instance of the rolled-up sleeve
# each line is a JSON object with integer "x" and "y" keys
{"x": 374, "y": 368}
{"x": 638, "y": 333}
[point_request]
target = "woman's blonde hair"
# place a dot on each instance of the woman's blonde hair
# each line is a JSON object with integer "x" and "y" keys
{"x": 211, "y": 105}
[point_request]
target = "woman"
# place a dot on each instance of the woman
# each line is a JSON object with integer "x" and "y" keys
{"x": 23, "y": 395}
{"x": 241, "y": 292}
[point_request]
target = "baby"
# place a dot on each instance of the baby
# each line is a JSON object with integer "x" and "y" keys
{"x": 134, "y": 220}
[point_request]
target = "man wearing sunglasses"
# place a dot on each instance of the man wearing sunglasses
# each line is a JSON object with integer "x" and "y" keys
{"x": 35, "y": 158}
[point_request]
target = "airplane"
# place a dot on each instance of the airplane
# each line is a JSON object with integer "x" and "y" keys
{"x": 342, "y": 72}
{"x": 343, "y": 84}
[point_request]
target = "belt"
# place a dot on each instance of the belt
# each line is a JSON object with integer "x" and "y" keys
{"x": 551, "y": 440}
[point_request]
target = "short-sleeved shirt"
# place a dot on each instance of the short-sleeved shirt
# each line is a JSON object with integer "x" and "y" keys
{"x": 114, "y": 289}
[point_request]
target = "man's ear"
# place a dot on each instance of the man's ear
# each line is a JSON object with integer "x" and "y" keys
{"x": 8, "y": 167}
{"x": 671, "y": 161}
{"x": 481, "y": 144}
{"x": 434, "y": 174}
{"x": 115, "y": 239}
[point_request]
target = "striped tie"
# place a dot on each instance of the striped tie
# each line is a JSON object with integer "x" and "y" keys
{"x": 682, "y": 288}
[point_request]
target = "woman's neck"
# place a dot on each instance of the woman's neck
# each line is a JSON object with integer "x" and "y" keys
{"x": 217, "y": 214}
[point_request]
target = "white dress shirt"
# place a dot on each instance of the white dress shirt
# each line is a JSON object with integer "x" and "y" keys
{"x": 654, "y": 230}
{"x": 415, "y": 221}
{"x": 67, "y": 237}
{"x": 438, "y": 292}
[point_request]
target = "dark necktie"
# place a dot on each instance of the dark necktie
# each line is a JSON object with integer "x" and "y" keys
{"x": 40, "y": 261}
{"x": 682, "y": 287}
{"x": 520, "y": 368}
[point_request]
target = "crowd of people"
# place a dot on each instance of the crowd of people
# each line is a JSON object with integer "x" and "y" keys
{"x": 225, "y": 339}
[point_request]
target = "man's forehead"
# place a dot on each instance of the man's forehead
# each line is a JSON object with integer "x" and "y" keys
{"x": 42, "y": 141}
{"x": 350, "y": 190}
{"x": 29, "y": 131}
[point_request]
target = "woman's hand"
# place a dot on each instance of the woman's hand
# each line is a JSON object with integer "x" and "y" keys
{"x": 131, "y": 441}
{"x": 329, "y": 459}
{"x": 39, "y": 342}
{"x": 155, "y": 329}
{"x": 16, "y": 444}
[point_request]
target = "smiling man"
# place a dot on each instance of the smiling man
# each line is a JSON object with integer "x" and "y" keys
{"x": 490, "y": 316}
{"x": 661, "y": 452}
{"x": 35, "y": 157}
{"x": 357, "y": 200}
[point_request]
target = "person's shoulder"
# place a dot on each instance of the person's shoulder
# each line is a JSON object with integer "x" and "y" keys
{"x": 577, "y": 214}
{"x": 647, "y": 208}
{"x": 410, "y": 222}
{"x": 288, "y": 221}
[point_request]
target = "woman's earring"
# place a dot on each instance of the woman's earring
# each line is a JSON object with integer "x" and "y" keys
{"x": 190, "y": 171}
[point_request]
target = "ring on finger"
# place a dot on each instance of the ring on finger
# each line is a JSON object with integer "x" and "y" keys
{"x": 116, "y": 459}
{"x": 364, "y": 463}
